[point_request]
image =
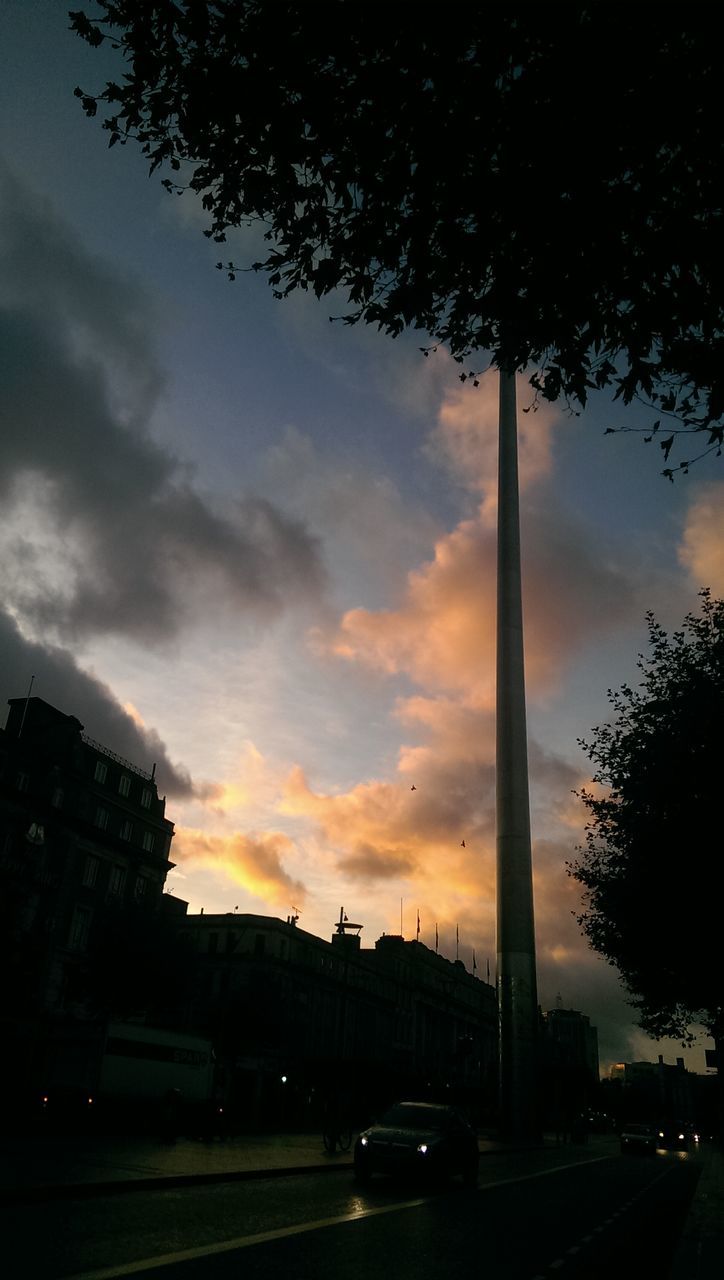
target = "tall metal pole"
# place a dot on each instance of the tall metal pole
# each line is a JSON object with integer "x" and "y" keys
{"x": 517, "y": 993}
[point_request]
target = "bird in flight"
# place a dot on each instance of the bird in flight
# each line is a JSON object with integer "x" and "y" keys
{"x": 462, "y": 844}
{"x": 413, "y": 787}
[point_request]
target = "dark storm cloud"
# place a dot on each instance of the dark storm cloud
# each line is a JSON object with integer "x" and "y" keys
{"x": 60, "y": 682}
{"x": 142, "y": 549}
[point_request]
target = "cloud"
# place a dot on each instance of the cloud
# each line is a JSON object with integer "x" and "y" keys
{"x": 441, "y": 632}
{"x": 370, "y": 532}
{"x": 59, "y": 681}
{"x": 702, "y": 548}
{"x": 103, "y": 530}
{"x": 442, "y": 635}
{"x": 465, "y": 439}
{"x": 383, "y": 830}
{"x": 254, "y": 861}
{"x": 429, "y": 831}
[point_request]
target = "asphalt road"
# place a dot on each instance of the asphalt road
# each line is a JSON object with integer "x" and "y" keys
{"x": 566, "y": 1213}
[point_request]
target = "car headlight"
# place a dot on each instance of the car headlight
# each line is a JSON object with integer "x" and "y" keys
{"x": 422, "y": 1150}
{"x": 364, "y": 1141}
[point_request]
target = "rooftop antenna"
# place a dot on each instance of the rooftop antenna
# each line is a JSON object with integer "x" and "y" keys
{"x": 344, "y": 923}
{"x": 25, "y": 708}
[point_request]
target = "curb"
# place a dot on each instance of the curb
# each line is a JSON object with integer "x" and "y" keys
{"x": 85, "y": 1190}
{"x": 120, "y": 1186}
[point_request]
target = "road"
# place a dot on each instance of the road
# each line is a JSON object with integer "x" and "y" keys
{"x": 569, "y": 1213}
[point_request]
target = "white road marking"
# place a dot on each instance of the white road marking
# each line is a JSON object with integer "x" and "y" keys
{"x": 576, "y": 1248}
{"x": 264, "y": 1237}
{"x": 240, "y": 1242}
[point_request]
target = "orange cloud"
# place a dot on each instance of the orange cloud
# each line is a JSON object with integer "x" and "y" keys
{"x": 255, "y": 861}
{"x": 702, "y": 549}
{"x": 453, "y": 729}
{"x": 466, "y": 437}
{"x": 252, "y": 787}
{"x": 443, "y": 633}
{"x": 135, "y": 715}
{"x": 384, "y": 830}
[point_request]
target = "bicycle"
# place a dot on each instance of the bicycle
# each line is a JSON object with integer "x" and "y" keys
{"x": 337, "y": 1139}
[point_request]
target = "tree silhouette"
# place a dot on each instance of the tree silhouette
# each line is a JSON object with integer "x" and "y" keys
{"x": 651, "y": 864}
{"x": 536, "y": 185}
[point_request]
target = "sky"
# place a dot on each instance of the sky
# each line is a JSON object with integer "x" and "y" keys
{"x": 257, "y": 549}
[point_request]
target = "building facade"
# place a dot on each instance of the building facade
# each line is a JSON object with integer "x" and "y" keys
{"x": 84, "y": 850}
{"x": 302, "y": 1023}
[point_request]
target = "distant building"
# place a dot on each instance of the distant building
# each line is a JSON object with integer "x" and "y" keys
{"x": 575, "y": 1039}
{"x": 569, "y": 1071}
{"x": 297, "y": 1019}
{"x": 83, "y": 841}
{"x": 654, "y": 1091}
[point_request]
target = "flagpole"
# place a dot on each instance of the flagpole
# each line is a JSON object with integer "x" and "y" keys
{"x": 516, "y": 978}
{"x": 25, "y": 708}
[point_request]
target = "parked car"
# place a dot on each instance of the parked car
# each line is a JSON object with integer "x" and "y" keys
{"x": 418, "y": 1138}
{"x": 638, "y": 1139}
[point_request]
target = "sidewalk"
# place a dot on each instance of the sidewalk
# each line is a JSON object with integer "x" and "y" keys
{"x": 53, "y": 1167}
{"x": 701, "y": 1248}
{"x": 61, "y": 1167}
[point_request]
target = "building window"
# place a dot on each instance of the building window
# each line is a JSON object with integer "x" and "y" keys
{"x": 57, "y": 798}
{"x": 141, "y": 886}
{"x": 259, "y": 944}
{"x": 101, "y": 771}
{"x": 213, "y": 942}
{"x": 148, "y": 841}
{"x": 90, "y": 871}
{"x": 126, "y": 829}
{"x": 22, "y": 781}
{"x": 80, "y": 928}
{"x": 124, "y": 784}
{"x": 146, "y": 797}
{"x": 101, "y": 818}
{"x": 117, "y": 880}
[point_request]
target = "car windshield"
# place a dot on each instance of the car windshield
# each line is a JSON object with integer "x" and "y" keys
{"x": 406, "y": 1115}
{"x": 638, "y": 1128}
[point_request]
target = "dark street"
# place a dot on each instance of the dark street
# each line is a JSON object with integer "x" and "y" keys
{"x": 576, "y": 1212}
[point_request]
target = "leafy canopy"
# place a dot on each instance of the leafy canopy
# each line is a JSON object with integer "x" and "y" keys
{"x": 536, "y": 184}
{"x": 651, "y": 866}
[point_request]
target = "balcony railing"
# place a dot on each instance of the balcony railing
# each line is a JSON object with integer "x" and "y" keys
{"x": 127, "y": 764}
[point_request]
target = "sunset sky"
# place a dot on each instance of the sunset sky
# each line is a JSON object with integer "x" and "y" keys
{"x": 258, "y": 549}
